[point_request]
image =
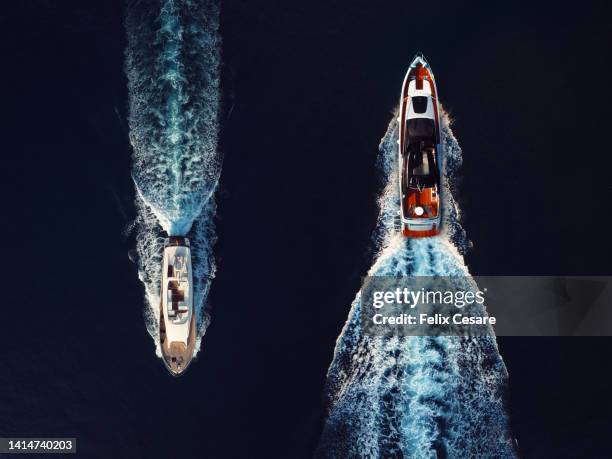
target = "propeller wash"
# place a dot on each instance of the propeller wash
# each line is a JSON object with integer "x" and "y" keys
{"x": 415, "y": 396}
{"x": 172, "y": 65}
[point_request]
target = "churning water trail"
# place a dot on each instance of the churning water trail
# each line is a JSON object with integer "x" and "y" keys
{"x": 172, "y": 65}
{"x": 415, "y": 396}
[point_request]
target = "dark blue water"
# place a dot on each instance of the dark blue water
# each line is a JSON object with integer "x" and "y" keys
{"x": 307, "y": 94}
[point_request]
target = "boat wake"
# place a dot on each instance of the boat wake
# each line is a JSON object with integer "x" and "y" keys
{"x": 172, "y": 65}
{"x": 415, "y": 396}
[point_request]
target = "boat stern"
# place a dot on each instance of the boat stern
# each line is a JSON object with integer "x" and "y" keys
{"x": 420, "y": 227}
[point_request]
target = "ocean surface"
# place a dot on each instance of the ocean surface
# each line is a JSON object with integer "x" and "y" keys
{"x": 306, "y": 91}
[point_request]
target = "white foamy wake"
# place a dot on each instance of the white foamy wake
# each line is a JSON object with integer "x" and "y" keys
{"x": 172, "y": 64}
{"x": 415, "y": 396}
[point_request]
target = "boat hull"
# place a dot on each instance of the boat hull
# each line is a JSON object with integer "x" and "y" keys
{"x": 420, "y": 203}
{"x": 177, "y": 321}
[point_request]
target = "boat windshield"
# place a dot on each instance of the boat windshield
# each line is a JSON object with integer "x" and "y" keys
{"x": 421, "y": 170}
{"x": 420, "y": 128}
{"x": 419, "y": 104}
